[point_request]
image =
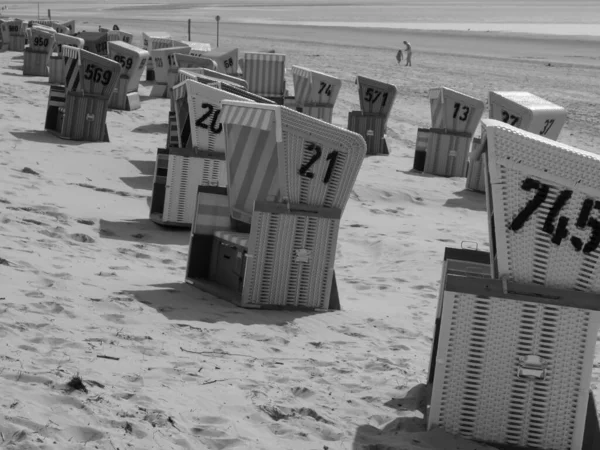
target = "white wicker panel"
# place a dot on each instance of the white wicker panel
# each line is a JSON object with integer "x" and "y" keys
{"x": 290, "y": 260}
{"x": 554, "y": 245}
{"x": 477, "y": 391}
{"x": 319, "y": 162}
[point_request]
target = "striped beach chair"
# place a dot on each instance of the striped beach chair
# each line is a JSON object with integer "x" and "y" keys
{"x": 511, "y": 363}
{"x": 16, "y": 35}
{"x": 150, "y": 41}
{"x": 290, "y": 177}
{"x": 265, "y": 74}
{"x": 78, "y": 110}
{"x": 56, "y": 74}
{"x": 315, "y": 92}
{"x": 226, "y": 60}
{"x": 199, "y": 157}
{"x": 119, "y": 35}
{"x": 522, "y": 110}
{"x": 38, "y": 51}
{"x": 454, "y": 118}
{"x": 94, "y": 41}
{"x": 133, "y": 62}
{"x": 4, "y": 35}
{"x": 186, "y": 61}
{"x": 165, "y": 63}
{"x": 376, "y": 102}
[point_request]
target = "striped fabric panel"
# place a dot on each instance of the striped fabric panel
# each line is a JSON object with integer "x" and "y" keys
{"x": 180, "y": 91}
{"x": 422, "y": 139}
{"x": 252, "y": 165}
{"x": 302, "y": 84}
{"x": 182, "y": 113}
{"x": 265, "y": 73}
{"x": 57, "y": 96}
{"x": 64, "y": 39}
{"x": 71, "y": 52}
{"x": 173, "y": 137}
{"x": 72, "y": 68}
{"x": 240, "y": 239}
{"x": 248, "y": 115}
{"x": 212, "y": 212}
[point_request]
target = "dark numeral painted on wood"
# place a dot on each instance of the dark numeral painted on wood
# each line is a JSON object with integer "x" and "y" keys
{"x": 460, "y": 108}
{"x": 318, "y": 152}
{"x": 214, "y": 126}
{"x": 509, "y": 118}
{"x": 97, "y": 74}
{"x": 547, "y": 125}
{"x": 372, "y": 95}
{"x": 124, "y": 61}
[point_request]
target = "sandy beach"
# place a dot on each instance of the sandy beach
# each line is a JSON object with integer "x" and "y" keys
{"x": 84, "y": 274}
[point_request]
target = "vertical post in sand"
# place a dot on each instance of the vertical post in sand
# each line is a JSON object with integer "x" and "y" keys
{"x": 189, "y": 29}
{"x": 38, "y": 11}
{"x": 218, "y": 19}
{"x": 49, "y": 15}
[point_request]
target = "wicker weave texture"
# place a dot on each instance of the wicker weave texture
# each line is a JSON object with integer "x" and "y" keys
{"x": 552, "y": 241}
{"x": 290, "y": 260}
{"x": 486, "y": 345}
{"x": 528, "y": 112}
{"x": 318, "y": 162}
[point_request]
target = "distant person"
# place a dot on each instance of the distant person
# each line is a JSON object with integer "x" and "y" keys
{"x": 116, "y": 27}
{"x": 399, "y": 56}
{"x": 408, "y": 51}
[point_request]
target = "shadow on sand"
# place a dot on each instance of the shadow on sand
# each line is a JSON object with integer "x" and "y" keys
{"x": 180, "y": 301}
{"x": 468, "y": 199}
{"x": 141, "y": 182}
{"x": 43, "y": 136}
{"x": 143, "y": 230}
{"x": 153, "y": 128}
{"x": 145, "y": 167}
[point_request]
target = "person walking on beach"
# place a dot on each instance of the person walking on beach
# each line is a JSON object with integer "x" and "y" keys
{"x": 399, "y": 56}
{"x": 408, "y": 51}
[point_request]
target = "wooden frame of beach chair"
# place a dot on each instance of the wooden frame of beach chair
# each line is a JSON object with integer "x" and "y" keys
{"x": 16, "y": 35}
{"x": 133, "y": 62}
{"x": 265, "y": 75}
{"x": 56, "y": 73}
{"x": 376, "y": 101}
{"x": 315, "y": 93}
{"x": 530, "y": 351}
{"x": 78, "y": 110}
{"x": 37, "y": 53}
{"x": 454, "y": 118}
{"x": 164, "y": 63}
{"x": 522, "y": 110}
{"x": 152, "y": 40}
{"x": 289, "y": 179}
{"x": 199, "y": 157}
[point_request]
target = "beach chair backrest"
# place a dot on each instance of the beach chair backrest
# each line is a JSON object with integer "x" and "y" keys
{"x": 15, "y": 27}
{"x": 200, "y": 73}
{"x": 197, "y": 48}
{"x": 183, "y": 61}
{"x": 314, "y": 88}
{"x": 89, "y": 73}
{"x": 227, "y": 60}
{"x": 251, "y": 156}
{"x": 4, "y": 33}
{"x": 528, "y": 112}
{"x": 118, "y": 35}
{"x": 265, "y": 73}
{"x": 41, "y": 40}
{"x": 318, "y": 161}
{"x": 454, "y": 111}
{"x": 132, "y": 60}
{"x": 376, "y": 97}
{"x": 65, "y": 39}
{"x": 69, "y": 27}
{"x": 95, "y": 42}
{"x": 543, "y": 208}
{"x": 164, "y": 61}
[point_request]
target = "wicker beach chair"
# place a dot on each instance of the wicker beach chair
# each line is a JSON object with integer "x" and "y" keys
{"x": 376, "y": 102}
{"x": 56, "y": 74}
{"x": 78, "y": 110}
{"x": 186, "y": 61}
{"x": 4, "y": 35}
{"x": 133, "y": 62}
{"x": 265, "y": 74}
{"x": 16, "y": 35}
{"x": 522, "y": 110}
{"x": 289, "y": 179}
{"x": 227, "y": 60}
{"x": 38, "y": 51}
{"x": 153, "y": 40}
{"x": 454, "y": 119}
{"x": 315, "y": 92}
{"x": 165, "y": 63}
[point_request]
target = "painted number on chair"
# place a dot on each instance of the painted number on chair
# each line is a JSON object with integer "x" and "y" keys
{"x": 461, "y": 111}
{"x": 124, "y": 61}
{"x": 555, "y": 226}
{"x": 214, "y": 126}
{"x": 158, "y": 62}
{"x": 325, "y": 88}
{"x": 547, "y": 125}
{"x": 372, "y": 95}
{"x": 316, "y": 155}
{"x": 97, "y": 74}
{"x": 102, "y": 47}
{"x": 40, "y": 42}
{"x": 510, "y": 119}
{"x": 171, "y": 60}
{"x": 228, "y": 63}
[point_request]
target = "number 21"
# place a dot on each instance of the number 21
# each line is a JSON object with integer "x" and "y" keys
{"x": 331, "y": 157}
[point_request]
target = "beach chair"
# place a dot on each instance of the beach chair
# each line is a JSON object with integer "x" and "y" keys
{"x": 70, "y": 27}
{"x": 186, "y": 61}
{"x": 38, "y": 51}
{"x": 133, "y": 62}
{"x": 4, "y": 35}
{"x": 119, "y": 35}
{"x": 454, "y": 118}
{"x": 315, "y": 93}
{"x": 151, "y": 40}
{"x": 227, "y": 60}
{"x": 522, "y": 110}
{"x": 16, "y": 35}
{"x": 197, "y": 48}
{"x": 200, "y": 73}
{"x": 511, "y": 363}
{"x": 376, "y": 101}
{"x": 199, "y": 157}
{"x": 265, "y": 74}
{"x": 289, "y": 179}
{"x": 78, "y": 110}
{"x": 164, "y": 63}
{"x": 94, "y": 41}
{"x": 56, "y": 73}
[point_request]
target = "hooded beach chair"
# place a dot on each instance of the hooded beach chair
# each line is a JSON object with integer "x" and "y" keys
{"x": 152, "y": 40}
{"x": 16, "y": 35}
{"x": 186, "y": 61}
{"x": 227, "y": 60}
{"x": 119, "y": 35}
{"x": 38, "y": 51}
{"x": 78, "y": 110}
{"x": 4, "y": 35}
{"x": 376, "y": 101}
{"x": 511, "y": 363}
{"x": 94, "y": 41}
{"x": 289, "y": 179}
{"x": 199, "y": 158}
{"x": 454, "y": 118}
{"x": 522, "y": 110}
{"x": 133, "y": 62}
{"x": 164, "y": 64}
{"x": 265, "y": 74}
{"x": 315, "y": 92}
{"x": 56, "y": 74}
